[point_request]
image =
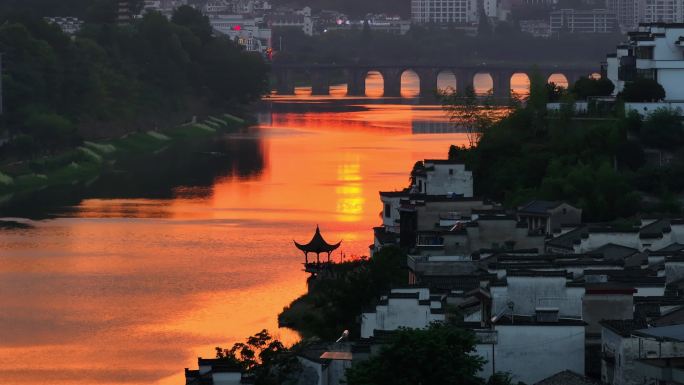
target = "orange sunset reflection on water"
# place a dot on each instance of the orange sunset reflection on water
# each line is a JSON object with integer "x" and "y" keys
{"x": 133, "y": 289}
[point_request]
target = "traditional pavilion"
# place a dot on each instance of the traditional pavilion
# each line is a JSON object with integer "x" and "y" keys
{"x": 317, "y": 245}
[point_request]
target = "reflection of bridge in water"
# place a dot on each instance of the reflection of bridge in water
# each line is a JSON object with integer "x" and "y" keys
{"x": 432, "y": 127}
{"x": 320, "y": 76}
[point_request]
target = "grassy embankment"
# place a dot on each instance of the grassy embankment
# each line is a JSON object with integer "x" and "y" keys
{"x": 85, "y": 163}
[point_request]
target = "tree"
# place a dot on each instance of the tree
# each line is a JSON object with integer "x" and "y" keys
{"x": 586, "y": 87}
{"x": 441, "y": 354}
{"x": 663, "y": 129}
{"x": 51, "y": 131}
{"x": 473, "y": 114}
{"x": 265, "y": 359}
{"x": 642, "y": 90}
{"x": 194, "y": 20}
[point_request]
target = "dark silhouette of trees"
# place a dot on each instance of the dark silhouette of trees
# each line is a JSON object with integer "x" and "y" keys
{"x": 262, "y": 358}
{"x": 441, "y": 354}
{"x": 586, "y": 87}
{"x": 642, "y": 90}
{"x": 58, "y": 88}
{"x": 194, "y": 20}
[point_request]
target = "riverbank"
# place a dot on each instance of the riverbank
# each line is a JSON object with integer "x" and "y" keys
{"x": 87, "y": 162}
{"x": 334, "y": 301}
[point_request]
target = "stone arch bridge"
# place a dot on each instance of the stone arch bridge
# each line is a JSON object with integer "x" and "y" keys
{"x": 320, "y": 76}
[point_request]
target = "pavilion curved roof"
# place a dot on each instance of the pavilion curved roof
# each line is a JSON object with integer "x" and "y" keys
{"x": 317, "y": 244}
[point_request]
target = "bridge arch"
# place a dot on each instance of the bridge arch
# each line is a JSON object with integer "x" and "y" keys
{"x": 410, "y": 83}
{"x": 483, "y": 82}
{"x": 559, "y": 79}
{"x": 374, "y": 83}
{"x": 447, "y": 81}
{"x": 520, "y": 84}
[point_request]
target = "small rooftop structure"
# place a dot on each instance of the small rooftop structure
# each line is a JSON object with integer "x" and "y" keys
{"x": 566, "y": 377}
{"x": 317, "y": 245}
{"x": 663, "y": 333}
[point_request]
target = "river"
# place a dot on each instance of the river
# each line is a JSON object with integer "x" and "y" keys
{"x": 130, "y": 280}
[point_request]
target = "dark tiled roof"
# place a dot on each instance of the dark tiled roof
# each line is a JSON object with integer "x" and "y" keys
{"x": 317, "y": 244}
{"x": 442, "y": 161}
{"x": 313, "y": 352}
{"x": 393, "y": 194}
{"x": 385, "y": 237}
{"x": 537, "y": 273}
{"x": 566, "y": 377}
{"x": 624, "y": 327}
{"x": 655, "y": 229}
{"x": 567, "y": 240}
{"x": 613, "y": 251}
{"x": 531, "y": 320}
{"x": 538, "y": 207}
{"x": 672, "y": 248}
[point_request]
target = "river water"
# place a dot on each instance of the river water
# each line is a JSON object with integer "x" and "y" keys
{"x": 131, "y": 279}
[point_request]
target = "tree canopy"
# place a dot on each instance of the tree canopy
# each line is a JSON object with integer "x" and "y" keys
{"x": 110, "y": 78}
{"x": 642, "y": 90}
{"x": 441, "y": 354}
{"x": 534, "y": 154}
{"x": 586, "y": 87}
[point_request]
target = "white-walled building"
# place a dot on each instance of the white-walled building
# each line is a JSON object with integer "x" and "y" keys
{"x": 444, "y": 11}
{"x": 655, "y": 51}
{"x": 247, "y": 32}
{"x": 410, "y": 308}
{"x": 524, "y": 292}
{"x": 442, "y": 177}
{"x": 583, "y": 21}
{"x": 532, "y": 348}
{"x": 298, "y": 19}
{"x": 652, "y": 235}
{"x": 624, "y": 342}
{"x": 214, "y": 371}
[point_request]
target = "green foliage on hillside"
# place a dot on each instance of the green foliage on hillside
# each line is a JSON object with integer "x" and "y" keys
{"x": 441, "y": 354}
{"x": 332, "y": 305}
{"x": 58, "y": 89}
{"x": 597, "y": 163}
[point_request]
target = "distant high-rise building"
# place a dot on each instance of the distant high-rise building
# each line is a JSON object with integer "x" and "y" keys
{"x": 626, "y": 11}
{"x": 632, "y": 12}
{"x": 662, "y": 11}
{"x": 583, "y": 21}
{"x": 445, "y": 11}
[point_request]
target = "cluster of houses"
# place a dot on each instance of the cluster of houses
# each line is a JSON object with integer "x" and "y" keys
{"x": 544, "y": 292}
{"x": 550, "y": 299}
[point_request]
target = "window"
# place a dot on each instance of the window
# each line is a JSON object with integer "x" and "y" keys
{"x": 451, "y": 171}
{"x": 388, "y": 210}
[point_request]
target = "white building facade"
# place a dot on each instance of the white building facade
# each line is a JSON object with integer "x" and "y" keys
{"x": 403, "y": 308}
{"x": 247, "y": 32}
{"x": 583, "y": 21}
{"x": 444, "y": 11}
{"x": 443, "y": 177}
